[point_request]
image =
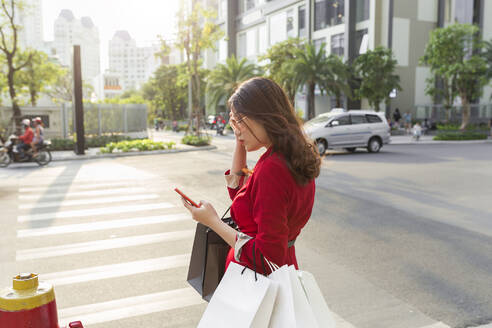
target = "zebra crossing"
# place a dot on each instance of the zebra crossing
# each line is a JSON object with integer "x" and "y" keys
{"x": 110, "y": 219}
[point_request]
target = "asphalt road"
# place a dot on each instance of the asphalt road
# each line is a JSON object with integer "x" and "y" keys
{"x": 402, "y": 238}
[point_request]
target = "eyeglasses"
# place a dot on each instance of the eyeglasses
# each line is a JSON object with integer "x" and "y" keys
{"x": 236, "y": 124}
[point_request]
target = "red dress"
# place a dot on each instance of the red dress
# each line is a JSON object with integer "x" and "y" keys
{"x": 272, "y": 208}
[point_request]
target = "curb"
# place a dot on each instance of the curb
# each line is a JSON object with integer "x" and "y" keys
{"x": 442, "y": 142}
{"x": 129, "y": 154}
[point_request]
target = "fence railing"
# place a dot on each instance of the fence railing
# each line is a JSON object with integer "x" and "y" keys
{"x": 98, "y": 119}
{"x": 479, "y": 113}
{"x": 107, "y": 118}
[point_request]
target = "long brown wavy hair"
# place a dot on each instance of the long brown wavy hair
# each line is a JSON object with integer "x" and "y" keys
{"x": 264, "y": 101}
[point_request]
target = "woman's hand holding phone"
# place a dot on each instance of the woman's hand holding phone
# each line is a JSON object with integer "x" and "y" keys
{"x": 202, "y": 212}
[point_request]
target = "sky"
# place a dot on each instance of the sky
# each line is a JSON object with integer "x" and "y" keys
{"x": 143, "y": 19}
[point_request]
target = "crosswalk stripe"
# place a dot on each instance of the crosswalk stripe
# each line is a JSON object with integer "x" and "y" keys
{"x": 98, "y": 245}
{"x": 102, "y": 192}
{"x": 92, "y": 212}
{"x": 116, "y": 270}
{"x": 91, "y": 201}
{"x": 64, "y": 187}
{"x": 130, "y": 307}
{"x": 101, "y": 225}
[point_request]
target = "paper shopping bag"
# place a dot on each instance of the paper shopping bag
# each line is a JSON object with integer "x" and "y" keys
{"x": 322, "y": 313}
{"x": 242, "y": 299}
{"x": 303, "y": 311}
{"x": 283, "y": 315}
{"x": 208, "y": 258}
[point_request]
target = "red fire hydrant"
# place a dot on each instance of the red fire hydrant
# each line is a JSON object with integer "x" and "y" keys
{"x": 29, "y": 303}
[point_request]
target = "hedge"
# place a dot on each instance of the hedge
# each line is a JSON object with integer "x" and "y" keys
{"x": 96, "y": 141}
{"x": 136, "y": 145}
{"x": 196, "y": 141}
{"x": 458, "y": 135}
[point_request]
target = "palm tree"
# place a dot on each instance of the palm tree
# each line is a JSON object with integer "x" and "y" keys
{"x": 336, "y": 79}
{"x": 309, "y": 67}
{"x": 225, "y": 78}
{"x": 279, "y": 58}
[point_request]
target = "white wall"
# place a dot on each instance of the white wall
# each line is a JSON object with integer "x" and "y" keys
{"x": 401, "y": 40}
{"x": 487, "y": 35}
{"x": 421, "y": 74}
{"x": 427, "y": 10}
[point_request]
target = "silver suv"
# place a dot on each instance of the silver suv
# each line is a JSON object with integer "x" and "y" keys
{"x": 349, "y": 130}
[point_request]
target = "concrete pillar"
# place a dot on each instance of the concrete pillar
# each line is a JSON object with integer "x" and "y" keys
{"x": 350, "y": 52}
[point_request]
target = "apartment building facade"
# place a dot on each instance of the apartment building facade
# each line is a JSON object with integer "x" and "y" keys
{"x": 134, "y": 65}
{"x": 348, "y": 28}
{"x": 30, "y": 19}
{"x": 70, "y": 31}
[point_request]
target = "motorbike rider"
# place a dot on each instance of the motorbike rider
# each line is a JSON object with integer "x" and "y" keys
{"x": 38, "y": 135}
{"x": 220, "y": 124}
{"x": 25, "y": 139}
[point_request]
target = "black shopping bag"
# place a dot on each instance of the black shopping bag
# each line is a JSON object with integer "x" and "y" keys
{"x": 208, "y": 257}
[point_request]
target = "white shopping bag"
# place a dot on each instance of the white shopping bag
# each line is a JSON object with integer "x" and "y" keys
{"x": 316, "y": 300}
{"x": 303, "y": 311}
{"x": 283, "y": 315}
{"x": 242, "y": 299}
{"x": 291, "y": 309}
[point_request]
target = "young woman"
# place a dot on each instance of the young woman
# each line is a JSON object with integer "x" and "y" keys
{"x": 275, "y": 201}
{"x": 38, "y": 135}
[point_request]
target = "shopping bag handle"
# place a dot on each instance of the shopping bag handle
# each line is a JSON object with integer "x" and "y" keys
{"x": 225, "y": 213}
{"x": 254, "y": 262}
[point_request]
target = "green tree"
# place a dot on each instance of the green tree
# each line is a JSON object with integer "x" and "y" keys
{"x": 37, "y": 75}
{"x": 444, "y": 88}
{"x": 336, "y": 78}
{"x": 165, "y": 93}
{"x": 197, "y": 32}
{"x": 61, "y": 90}
{"x": 9, "y": 49}
{"x": 376, "y": 70}
{"x": 487, "y": 55}
{"x": 279, "y": 61}
{"x": 225, "y": 78}
{"x": 454, "y": 54}
{"x": 310, "y": 66}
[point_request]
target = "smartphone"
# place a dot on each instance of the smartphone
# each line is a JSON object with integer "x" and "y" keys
{"x": 192, "y": 203}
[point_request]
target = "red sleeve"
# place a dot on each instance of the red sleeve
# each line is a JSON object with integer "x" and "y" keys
{"x": 27, "y": 136}
{"x": 270, "y": 205}
{"x": 233, "y": 192}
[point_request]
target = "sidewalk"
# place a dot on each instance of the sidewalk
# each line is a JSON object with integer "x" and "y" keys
{"x": 94, "y": 153}
{"x": 427, "y": 140}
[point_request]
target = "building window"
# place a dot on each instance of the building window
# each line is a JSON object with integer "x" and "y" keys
{"x": 263, "y": 39}
{"x": 241, "y": 45}
{"x": 463, "y": 11}
{"x": 222, "y": 49}
{"x": 361, "y": 41}
{"x": 251, "y": 43}
{"x": 290, "y": 23}
{"x": 249, "y": 4}
{"x": 278, "y": 34}
{"x": 328, "y": 13}
{"x": 302, "y": 20}
{"x": 337, "y": 43}
{"x": 318, "y": 42}
{"x": 362, "y": 10}
{"x": 222, "y": 9}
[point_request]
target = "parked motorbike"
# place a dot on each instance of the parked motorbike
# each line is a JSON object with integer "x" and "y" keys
{"x": 7, "y": 154}
{"x": 220, "y": 126}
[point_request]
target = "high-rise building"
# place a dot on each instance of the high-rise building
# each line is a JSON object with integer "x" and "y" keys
{"x": 70, "y": 31}
{"x": 134, "y": 65}
{"x": 349, "y": 28}
{"x": 30, "y": 19}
